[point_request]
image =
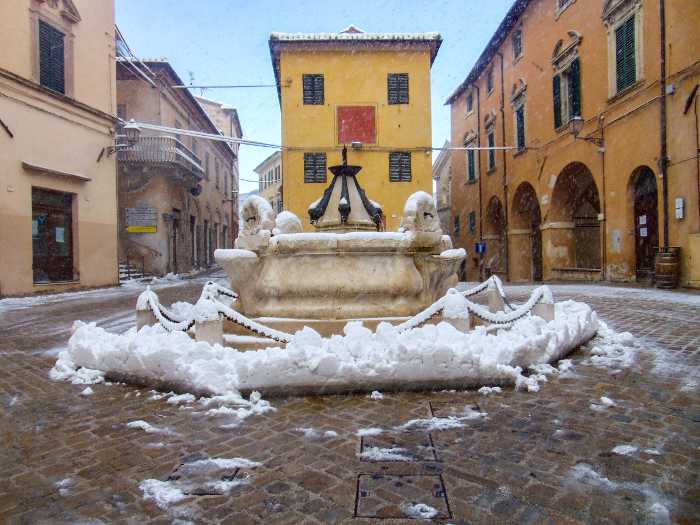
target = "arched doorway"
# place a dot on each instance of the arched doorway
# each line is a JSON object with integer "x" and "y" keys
{"x": 645, "y": 196}
{"x": 525, "y": 222}
{"x": 495, "y": 237}
{"x": 574, "y": 214}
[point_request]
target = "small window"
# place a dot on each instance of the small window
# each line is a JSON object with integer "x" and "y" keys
{"x": 471, "y": 164}
{"x": 400, "y": 166}
{"x": 491, "y": 139}
{"x": 457, "y": 227}
{"x": 206, "y": 165}
{"x": 216, "y": 173}
{"x": 625, "y": 55}
{"x": 397, "y": 88}
{"x": 313, "y": 89}
{"x": 489, "y": 81}
{"x": 51, "y": 58}
{"x": 517, "y": 43}
{"x": 520, "y": 128}
{"x": 470, "y": 103}
{"x": 472, "y": 221}
{"x": 314, "y": 167}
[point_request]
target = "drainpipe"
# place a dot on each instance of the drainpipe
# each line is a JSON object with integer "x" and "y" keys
{"x": 663, "y": 153}
{"x": 604, "y": 258}
{"x": 505, "y": 170}
{"x": 478, "y": 152}
{"x": 697, "y": 152}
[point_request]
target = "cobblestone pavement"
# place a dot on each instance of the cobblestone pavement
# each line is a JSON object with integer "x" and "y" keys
{"x": 535, "y": 458}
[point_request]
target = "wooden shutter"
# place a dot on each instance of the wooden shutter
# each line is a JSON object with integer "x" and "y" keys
{"x": 625, "y": 66}
{"x": 51, "y": 58}
{"x": 471, "y": 165}
{"x": 314, "y": 167}
{"x": 574, "y": 77}
{"x": 397, "y": 88}
{"x": 492, "y": 153}
{"x": 556, "y": 96}
{"x": 520, "y": 121}
{"x": 400, "y": 166}
{"x": 312, "y": 86}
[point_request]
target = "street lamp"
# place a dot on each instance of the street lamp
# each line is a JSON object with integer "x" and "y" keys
{"x": 575, "y": 128}
{"x": 132, "y": 132}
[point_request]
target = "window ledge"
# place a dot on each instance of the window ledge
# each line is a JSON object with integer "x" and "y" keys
{"x": 472, "y": 181}
{"x": 629, "y": 89}
{"x": 519, "y": 152}
{"x": 560, "y": 10}
{"x": 517, "y": 59}
{"x": 491, "y": 170}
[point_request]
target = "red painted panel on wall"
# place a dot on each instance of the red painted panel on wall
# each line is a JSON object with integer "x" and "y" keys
{"x": 356, "y": 124}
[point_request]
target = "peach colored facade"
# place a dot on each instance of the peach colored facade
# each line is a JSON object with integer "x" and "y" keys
{"x": 590, "y": 207}
{"x": 269, "y": 173}
{"x": 51, "y": 135}
{"x": 186, "y": 188}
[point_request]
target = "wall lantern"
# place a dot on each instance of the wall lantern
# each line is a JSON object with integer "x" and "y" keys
{"x": 575, "y": 128}
{"x": 132, "y": 132}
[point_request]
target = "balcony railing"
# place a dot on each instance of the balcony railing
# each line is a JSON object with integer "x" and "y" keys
{"x": 162, "y": 150}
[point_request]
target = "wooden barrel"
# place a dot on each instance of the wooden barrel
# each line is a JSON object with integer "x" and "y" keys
{"x": 667, "y": 267}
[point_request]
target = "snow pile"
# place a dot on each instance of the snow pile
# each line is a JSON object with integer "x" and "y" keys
{"x": 441, "y": 423}
{"x": 312, "y": 433}
{"x": 384, "y": 454}
{"x": 287, "y": 222}
{"x": 624, "y": 450}
{"x": 384, "y": 359}
{"x": 486, "y": 390}
{"x": 419, "y": 511}
{"x": 376, "y": 395}
{"x": 148, "y": 428}
{"x": 371, "y": 431}
{"x": 614, "y": 350}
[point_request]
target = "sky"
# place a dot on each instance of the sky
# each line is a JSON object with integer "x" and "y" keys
{"x": 226, "y": 42}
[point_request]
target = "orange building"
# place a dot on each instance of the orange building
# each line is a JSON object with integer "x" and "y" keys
{"x": 603, "y": 166}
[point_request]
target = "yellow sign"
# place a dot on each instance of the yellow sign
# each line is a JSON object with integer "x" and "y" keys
{"x": 141, "y": 229}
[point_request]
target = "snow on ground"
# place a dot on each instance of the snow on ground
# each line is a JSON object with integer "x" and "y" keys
{"x": 433, "y": 353}
{"x": 441, "y": 423}
{"x": 605, "y": 403}
{"x": 486, "y": 390}
{"x": 419, "y": 511}
{"x": 625, "y": 450}
{"x": 657, "y": 503}
{"x": 371, "y": 431}
{"x": 376, "y": 395}
{"x": 384, "y": 454}
{"x": 148, "y": 428}
{"x": 64, "y": 486}
{"x": 311, "y": 433}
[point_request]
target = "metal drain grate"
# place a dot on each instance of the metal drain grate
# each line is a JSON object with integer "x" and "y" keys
{"x": 383, "y": 496}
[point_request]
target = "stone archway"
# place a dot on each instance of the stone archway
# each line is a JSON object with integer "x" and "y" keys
{"x": 644, "y": 196}
{"x": 573, "y": 246}
{"x": 526, "y": 235}
{"x": 495, "y": 237}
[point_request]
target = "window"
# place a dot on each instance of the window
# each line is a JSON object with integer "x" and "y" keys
{"x": 216, "y": 173}
{"x": 225, "y": 186}
{"x": 313, "y": 89}
{"x": 397, "y": 88}
{"x": 51, "y": 58}
{"x": 314, "y": 167}
{"x": 471, "y": 163}
{"x": 517, "y": 39}
{"x": 470, "y": 103}
{"x": 491, "y": 140}
{"x": 489, "y": 81}
{"x": 400, "y": 166}
{"x": 520, "y": 127}
{"x": 625, "y": 55}
{"x": 472, "y": 221}
{"x": 206, "y": 165}
{"x": 457, "y": 228}
{"x": 566, "y": 93}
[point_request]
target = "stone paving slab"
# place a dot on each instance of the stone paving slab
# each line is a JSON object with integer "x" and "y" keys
{"x": 68, "y": 458}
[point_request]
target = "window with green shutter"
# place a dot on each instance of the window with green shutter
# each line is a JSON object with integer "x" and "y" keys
{"x": 556, "y": 96}
{"x": 573, "y": 79}
{"x": 400, "y": 166}
{"x": 457, "y": 226}
{"x": 314, "y": 167}
{"x": 397, "y": 88}
{"x": 520, "y": 128}
{"x": 312, "y": 86}
{"x": 625, "y": 58}
{"x": 51, "y": 58}
{"x": 471, "y": 165}
{"x": 491, "y": 140}
{"x": 566, "y": 93}
{"x": 472, "y": 221}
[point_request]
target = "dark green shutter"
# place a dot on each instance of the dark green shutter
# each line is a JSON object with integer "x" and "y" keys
{"x": 556, "y": 96}
{"x": 471, "y": 165}
{"x": 314, "y": 167}
{"x": 492, "y": 153}
{"x": 51, "y": 58}
{"x": 312, "y": 86}
{"x": 625, "y": 60}
{"x": 400, "y": 166}
{"x": 397, "y": 88}
{"x": 520, "y": 121}
{"x": 575, "y": 88}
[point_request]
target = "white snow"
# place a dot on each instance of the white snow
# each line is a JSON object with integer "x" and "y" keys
{"x": 607, "y": 401}
{"x": 384, "y": 454}
{"x": 371, "y": 431}
{"x": 87, "y": 392}
{"x": 182, "y": 398}
{"x": 454, "y": 253}
{"x": 441, "y": 423}
{"x": 612, "y": 350}
{"x": 376, "y": 395}
{"x": 64, "y": 485}
{"x": 148, "y": 428}
{"x": 624, "y": 450}
{"x": 287, "y": 222}
{"x": 386, "y": 357}
{"x": 486, "y": 390}
{"x": 652, "y": 451}
{"x": 311, "y": 433}
{"x": 163, "y": 493}
{"x": 419, "y": 511}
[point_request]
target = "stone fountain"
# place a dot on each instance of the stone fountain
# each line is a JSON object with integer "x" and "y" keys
{"x": 349, "y": 268}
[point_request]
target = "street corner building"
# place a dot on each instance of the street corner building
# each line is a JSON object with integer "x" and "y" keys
{"x": 178, "y": 194}
{"x": 367, "y": 91}
{"x": 597, "y": 106}
{"x": 58, "y": 227}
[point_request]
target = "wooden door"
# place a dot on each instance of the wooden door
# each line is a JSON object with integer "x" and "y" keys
{"x": 646, "y": 227}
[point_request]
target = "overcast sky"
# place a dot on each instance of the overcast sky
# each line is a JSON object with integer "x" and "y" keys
{"x": 225, "y": 42}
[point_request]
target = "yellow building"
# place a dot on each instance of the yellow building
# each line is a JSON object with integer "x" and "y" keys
{"x": 575, "y": 88}
{"x": 58, "y": 216}
{"x": 366, "y": 89}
